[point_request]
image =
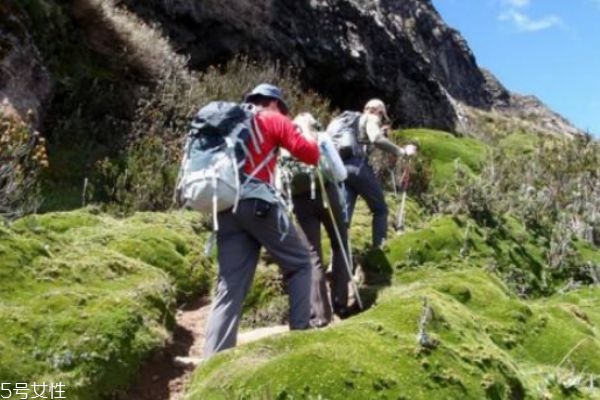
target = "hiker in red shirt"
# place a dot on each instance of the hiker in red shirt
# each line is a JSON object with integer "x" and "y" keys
{"x": 261, "y": 220}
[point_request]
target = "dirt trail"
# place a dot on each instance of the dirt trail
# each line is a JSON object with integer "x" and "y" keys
{"x": 162, "y": 378}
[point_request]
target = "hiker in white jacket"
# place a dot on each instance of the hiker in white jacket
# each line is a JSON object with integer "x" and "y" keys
{"x": 373, "y": 128}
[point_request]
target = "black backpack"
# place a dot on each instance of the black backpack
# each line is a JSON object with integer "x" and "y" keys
{"x": 344, "y": 133}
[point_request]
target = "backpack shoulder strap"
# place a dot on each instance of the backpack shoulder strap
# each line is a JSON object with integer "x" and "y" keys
{"x": 262, "y": 164}
{"x": 361, "y": 129}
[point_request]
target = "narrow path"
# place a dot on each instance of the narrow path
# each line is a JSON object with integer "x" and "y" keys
{"x": 163, "y": 379}
{"x": 160, "y": 378}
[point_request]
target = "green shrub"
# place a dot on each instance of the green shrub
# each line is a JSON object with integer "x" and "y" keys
{"x": 143, "y": 178}
{"x": 441, "y": 334}
{"x": 86, "y": 298}
{"x": 551, "y": 185}
{"x": 22, "y": 159}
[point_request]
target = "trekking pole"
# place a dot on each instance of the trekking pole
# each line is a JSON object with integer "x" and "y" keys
{"x": 341, "y": 190}
{"x": 339, "y": 239}
{"x": 400, "y": 215}
{"x": 393, "y": 176}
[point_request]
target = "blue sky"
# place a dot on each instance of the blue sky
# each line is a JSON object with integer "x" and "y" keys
{"x": 548, "y": 48}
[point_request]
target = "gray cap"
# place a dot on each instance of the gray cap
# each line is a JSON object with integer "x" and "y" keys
{"x": 270, "y": 91}
{"x": 376, "y": 105}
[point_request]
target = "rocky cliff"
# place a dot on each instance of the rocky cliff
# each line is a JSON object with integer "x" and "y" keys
{"x": 349, "y": 50}
{"x": 24, "y": 81}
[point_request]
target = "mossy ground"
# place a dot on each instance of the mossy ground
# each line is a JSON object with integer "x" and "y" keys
{"x": 481, "y": 338}
{"x": 86, "y": 297}
{"x": 483, "y": 343}
{"x": 444, "y": 151}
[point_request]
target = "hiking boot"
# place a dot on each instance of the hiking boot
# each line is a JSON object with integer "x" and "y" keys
{"x": 318, "y": 323}
{"x": 344, "y": 311}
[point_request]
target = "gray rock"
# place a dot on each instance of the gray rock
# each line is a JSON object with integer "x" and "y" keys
{"x": 351, "y": 50}
{"x": 25, "y": 85}
{"x": 530, "y": 108}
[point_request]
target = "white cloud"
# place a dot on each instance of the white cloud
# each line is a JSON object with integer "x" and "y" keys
{"x": 526, "y": 24}
{"x": 517, "y": 3}
{"x": 514, "y": 13}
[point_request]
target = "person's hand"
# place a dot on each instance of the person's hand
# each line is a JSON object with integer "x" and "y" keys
{"x": 307, "y": 133}
{"x": 386, "y": 130}
{"x": 312, "y": 136}
{"x": 410, "y": 149}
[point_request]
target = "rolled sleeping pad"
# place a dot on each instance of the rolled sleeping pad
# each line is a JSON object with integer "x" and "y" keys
{"x": 330, "y": 161}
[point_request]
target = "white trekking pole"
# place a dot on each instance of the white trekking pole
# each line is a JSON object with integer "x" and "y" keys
{"x": 393, "y": 176}
{"x": 341, "y": 190}
{"x": 339, "y": 239}
{"x": 400, "y": 215}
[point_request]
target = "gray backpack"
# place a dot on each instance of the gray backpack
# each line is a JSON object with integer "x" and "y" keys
{"x": 344, "y": 133}
{"x": 212, "y": 175}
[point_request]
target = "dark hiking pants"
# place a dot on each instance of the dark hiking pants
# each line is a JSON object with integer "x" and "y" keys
{"x": 239, "y": 239}
{"x": 311, "y": 213}
{"x": 362, "y": 182}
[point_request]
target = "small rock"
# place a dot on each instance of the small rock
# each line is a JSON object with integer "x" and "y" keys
{"x": 187, "y": 362}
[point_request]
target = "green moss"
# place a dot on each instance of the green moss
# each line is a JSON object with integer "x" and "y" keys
{"x": 266, "y": 303}
{"x": 564, "y": 331}
{"x": 519, "y": 142}
{"x": 444, "y": 149}
{"x": 587, "y": 252}
{"x": 508, "y": 249}
{"x": 441, "y": 239}
{"x": 374, "y": 354}
{"x": 57, "y": 222}
{"x": 163, "y": 248}
{"x": 15, "y": 252}
{"x": 86, "y": 297}
{"x": 489, "y": 344}
{"x": 89, "y": 323}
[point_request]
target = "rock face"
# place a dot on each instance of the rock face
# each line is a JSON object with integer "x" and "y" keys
{"x": 530, "y": 108}
{"x": 24, "y": 81}
{"x": 350, "y": 50}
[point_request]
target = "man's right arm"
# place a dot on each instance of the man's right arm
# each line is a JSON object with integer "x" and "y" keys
{"x": 377, "y": 136}
{"x": 306, "y": 150}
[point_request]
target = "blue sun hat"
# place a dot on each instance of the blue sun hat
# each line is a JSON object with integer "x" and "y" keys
{"x": 270, "y": 91}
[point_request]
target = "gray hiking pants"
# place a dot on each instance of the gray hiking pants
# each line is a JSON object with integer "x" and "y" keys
{"x": 239, "y": 239}
{"x": 362, "y": 182}
{"x": 310, "y": 214}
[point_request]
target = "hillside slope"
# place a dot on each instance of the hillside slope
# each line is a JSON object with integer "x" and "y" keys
{"x": 465, "y": 302}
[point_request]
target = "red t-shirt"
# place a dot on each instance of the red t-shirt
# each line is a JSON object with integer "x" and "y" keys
{"x": 279, "y": 131}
